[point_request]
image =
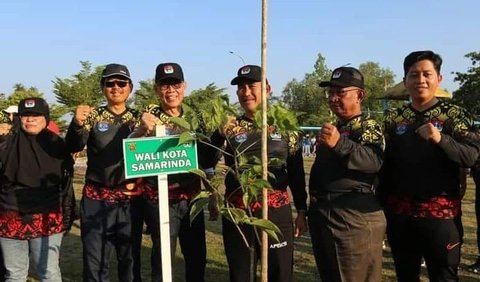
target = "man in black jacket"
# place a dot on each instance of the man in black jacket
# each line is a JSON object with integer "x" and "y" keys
{"x": 347, "y": 224}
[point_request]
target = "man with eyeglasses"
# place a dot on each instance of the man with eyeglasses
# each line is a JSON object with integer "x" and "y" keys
{"x": 347, "y": 224}
{"x": 170, "y": 87}
{"x": 110, "y": 218}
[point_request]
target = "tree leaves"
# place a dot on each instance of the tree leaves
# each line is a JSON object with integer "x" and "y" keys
{"x": 468, "y": 95}
{"x": 81, "y": 88}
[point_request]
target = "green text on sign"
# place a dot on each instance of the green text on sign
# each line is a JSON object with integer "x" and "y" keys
{"x": 158, "y": 155}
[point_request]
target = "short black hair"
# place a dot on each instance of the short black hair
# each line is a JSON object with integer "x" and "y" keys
{"x": 418, "y": 56}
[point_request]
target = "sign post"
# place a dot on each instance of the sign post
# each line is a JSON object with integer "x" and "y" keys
{"x": 160, "y": 156}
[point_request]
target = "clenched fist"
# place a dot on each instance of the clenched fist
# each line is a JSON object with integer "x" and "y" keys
{"x": 81, "y": 114}
{"x": 148, "y": 123}
{"x": 429, "y": 132}
{"x": 329, "y": 135}
{"x": 5, "y": 128}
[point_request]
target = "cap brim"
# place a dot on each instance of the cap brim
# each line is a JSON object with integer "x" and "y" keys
{"x": 31, "y": 112}
{"x": 116, "y": 74}
{"x": 169, "y": 79}
{"x": 335, "y": 84}
{"x": 237, "y": 80}
{"x": 11, "y": 110}
{"x": 324, "y": 84}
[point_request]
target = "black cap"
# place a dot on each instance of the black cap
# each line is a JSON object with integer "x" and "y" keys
{"x": 344, "y": 77}
{"x": 33, "y": 105}
{"x": 248, "y": 72}
{"x": 168, "y": 71}
{"x": 115, "y": 70}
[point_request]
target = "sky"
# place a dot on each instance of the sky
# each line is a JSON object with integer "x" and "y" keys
{"x": 42, "y": 40}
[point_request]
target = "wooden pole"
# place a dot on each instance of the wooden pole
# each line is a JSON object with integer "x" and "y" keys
{"x": 264, "y": 255}
{"x": 164, "y": 218}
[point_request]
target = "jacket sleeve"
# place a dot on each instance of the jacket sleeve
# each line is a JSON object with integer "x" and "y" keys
{"x": 68, "y": 201}
{"x": 465, "y": 154}
{"x": 462, "y": 146}
{"x": 212, "y": 150}
{"x": 76, "y": 137}
{"x": 366, "y": 155}
{"x": 296, "y": 179}
{"x": 207, "y": 155}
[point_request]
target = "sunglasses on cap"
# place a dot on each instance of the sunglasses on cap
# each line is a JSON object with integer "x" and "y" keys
{"x": 119, "y": 83}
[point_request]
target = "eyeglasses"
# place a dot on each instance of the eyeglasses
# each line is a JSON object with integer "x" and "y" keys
{"x": 340, "y": 93}
{"x": 119, "y": 83}
{"x": 174, "y": 85}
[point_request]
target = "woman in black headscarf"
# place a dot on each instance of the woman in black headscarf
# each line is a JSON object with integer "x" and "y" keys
{"x": 36, "y": 196}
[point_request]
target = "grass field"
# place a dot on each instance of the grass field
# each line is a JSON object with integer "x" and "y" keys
{"x": 304, "y": 268}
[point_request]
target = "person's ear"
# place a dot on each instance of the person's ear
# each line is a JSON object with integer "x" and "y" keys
{"x": 361, "y": 95}
{"x": 269, "y": 89}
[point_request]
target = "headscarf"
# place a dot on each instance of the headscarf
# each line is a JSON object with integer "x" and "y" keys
{"x": 33, "y": 171}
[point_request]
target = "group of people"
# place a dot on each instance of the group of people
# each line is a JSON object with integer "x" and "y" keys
{"x": 399, "y": 177}
{"x": 309, "y": 145}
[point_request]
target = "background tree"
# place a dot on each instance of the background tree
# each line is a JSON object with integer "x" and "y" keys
{"x": 144, "y": 95}
{"x": 206, "y": 101}
{"x": 468, "y": 95}
{"x": 377, "y": 79}
{"x": 19, "y": 92}
{"x": 306, "y": 98}
{"x": 81, "y": 88}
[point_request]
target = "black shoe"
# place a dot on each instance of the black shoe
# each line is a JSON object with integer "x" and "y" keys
{"x": 475, "y": 268}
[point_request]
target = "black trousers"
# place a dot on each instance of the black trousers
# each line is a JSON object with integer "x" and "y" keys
{"x": 109, "y": 226}
{"x": 347, "y": 233}
{"x": 438, "y": 241}
{"x": 280, "y": 254}
{"x": 191, "y": 238}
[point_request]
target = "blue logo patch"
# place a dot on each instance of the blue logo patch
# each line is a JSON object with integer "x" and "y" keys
{"x": 401, "y": 129}
{"x": 240, "y": 138}
{"x": 438, "y": 124}
{"x": 275, "y": 136}
{"x": 102, "y": 126}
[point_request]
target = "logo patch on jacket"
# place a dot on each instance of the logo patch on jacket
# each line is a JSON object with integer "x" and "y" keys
{"x": 241, "y": 137}
{"x": 438, "y": 124}
{"x": 103, "y": 126}
{"x": 401, "y": 128}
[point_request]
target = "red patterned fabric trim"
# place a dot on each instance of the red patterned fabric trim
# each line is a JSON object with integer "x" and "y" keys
{"x": 435, "y": 207}
{"x": 16, "y": 226}
{"x": 175, "y": 192}
{"x": 276, "y": 199}
{"x": 108, "y": 194}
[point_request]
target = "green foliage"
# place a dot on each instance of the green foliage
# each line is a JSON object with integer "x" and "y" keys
{"x": 145, "y": 94}
{"x": 468, "y": 95}
{"x": 377, "y": 79}
{"x": 209, "y": 108}
{"x": 186, "y": 137}
{"x": 278, "y": 115}
{"x": 82, "y": 88}
{"x": 19, "y": 93}
{"x": 248, "y": 170}
{"x": 306, "y": 98}
{"x": 57, "y": 112}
